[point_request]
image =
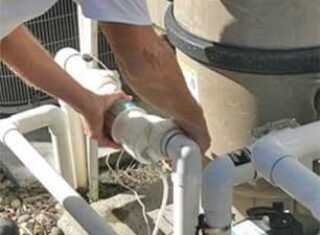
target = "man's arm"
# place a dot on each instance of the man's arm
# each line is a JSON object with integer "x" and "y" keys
{"x": 23, "y": 54}
{"x": 150, "y": 67}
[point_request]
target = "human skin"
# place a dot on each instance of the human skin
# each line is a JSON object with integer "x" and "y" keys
{"x": 145, "y": 60}
{"x": 150, "y": 68}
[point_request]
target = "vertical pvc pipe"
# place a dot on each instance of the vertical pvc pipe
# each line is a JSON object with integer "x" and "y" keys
{"x": 88, "y": 35}
{"x": 93, "y": 169}
{"x": 52, "y": 117}
{"x": 75, "y": 129}
{"x": 186, "y": 179}
{"x": 101, "y": 82}
{"x": 219, "y": 178}
{"x": 77, "y": 139}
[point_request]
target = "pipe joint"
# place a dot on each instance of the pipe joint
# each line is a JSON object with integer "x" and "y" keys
{"x": 57, "y": 122}
{"x": 217, "y": 186}
{"x": 5, "y": 127}
{"x": 267, "y": 153}
{"x": 187, "y": 173}
{"x": 219, "y": 178}
{"x": 186, "y": 153}
{"x": 161, "y": 132}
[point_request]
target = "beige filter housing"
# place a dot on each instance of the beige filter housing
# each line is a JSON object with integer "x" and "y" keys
{"x": 235, "y": 103}
{"x": 157, "y": 9}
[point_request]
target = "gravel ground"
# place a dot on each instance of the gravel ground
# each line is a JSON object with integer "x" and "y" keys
{"x": 32, "y": 208}
{"x": 37, "y": 213}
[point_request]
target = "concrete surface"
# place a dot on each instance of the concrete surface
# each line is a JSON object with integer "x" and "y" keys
{"x": 124, "y": 214}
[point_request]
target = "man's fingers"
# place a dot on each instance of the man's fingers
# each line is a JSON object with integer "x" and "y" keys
{"x": 119, "y": 95}
{"x": 107, "y": 142}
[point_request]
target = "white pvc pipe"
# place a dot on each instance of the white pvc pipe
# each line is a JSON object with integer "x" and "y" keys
{"x": 299, "y": 182}
{"x": 53, "y": 182}
{"x": 77, "y": 138}
{"x": 100, "y": 82}
{"x": 74, "y": 121}
{"x": 96, "y": 80}
{"x": 274, "y": 157}
{"x": 52, "y": 117}
{"x": 187, "y": 174}
{"x": 186, "y": 154}
{"x": 88, "y": 34}
{"x": 219, "y": 178}
{"x": 93, "y": 169}
{"x": 88, "y": 37}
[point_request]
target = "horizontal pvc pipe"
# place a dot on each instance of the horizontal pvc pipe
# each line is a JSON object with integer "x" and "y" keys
{"x": 301, "y": 142}
{"x": 299, "y": 182}
{"x": 43, "y": 116}
{"x": 186, "y": 176}
{"x": 52, "y": 117}
{"x": 275, "y": 157}
{"x": 53, "y": 182}
{"x": 97, "y": 80}
{"x": 219, "y": 178}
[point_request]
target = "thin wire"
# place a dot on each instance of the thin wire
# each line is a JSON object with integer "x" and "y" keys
{"x": 133, "y": 191}
{"x": 125, "y": 171}
{"x": 165, "y": 196}
{"x": 165, "y": 191}
{"x": 95, "y": 59}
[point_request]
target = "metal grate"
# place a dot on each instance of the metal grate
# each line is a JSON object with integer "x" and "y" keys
{"x": 105, "y": 52}
{"x": 56, "y": 29}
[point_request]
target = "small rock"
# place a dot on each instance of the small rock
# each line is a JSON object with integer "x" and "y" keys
{"x": 16, "y": 203}
{"x": 38, "y": 204}
{"x": 56, "y": 231}
{"x": 23, "y": 218}
{"x": 41, "y": 218}
{"x": 38, "y": 229}
{"x": 2, "y": 209}
{"x": 57, "y": 207}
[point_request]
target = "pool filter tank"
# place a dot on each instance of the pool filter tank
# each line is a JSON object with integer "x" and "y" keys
{"x": 250, "y": 63}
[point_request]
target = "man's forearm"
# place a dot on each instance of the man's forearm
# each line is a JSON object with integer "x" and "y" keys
{"x": 152, "y": 71}
{"x": 23, "y": 54}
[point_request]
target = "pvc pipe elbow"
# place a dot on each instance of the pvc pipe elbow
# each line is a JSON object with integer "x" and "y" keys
{"x": 65, "y": 55}
{"x": 217, "y": 186}
{"x": 186, "y": 153}
{"x": 187, "y": 172}
{"x": 218, "y": 176}
{"x": 5, "y": 127}
{"x": 58, "y": 121}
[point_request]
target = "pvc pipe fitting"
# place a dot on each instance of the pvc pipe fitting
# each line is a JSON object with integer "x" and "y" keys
{"x": 274, "y": 157}
{"x": 219, "y": 178}
{"x": 186, "y": 177}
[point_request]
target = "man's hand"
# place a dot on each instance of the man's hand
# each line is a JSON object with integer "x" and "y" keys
{"x": 94, "y": 120}
{"x": 150, "y": 68}
{"x": 198, "y": 132}
{"x": 36, "y": 66}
